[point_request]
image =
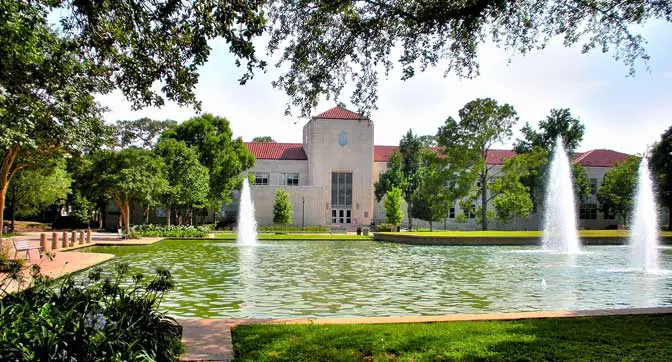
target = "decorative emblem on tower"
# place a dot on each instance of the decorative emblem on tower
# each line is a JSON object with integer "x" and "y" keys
{"x": 342, "y": 138}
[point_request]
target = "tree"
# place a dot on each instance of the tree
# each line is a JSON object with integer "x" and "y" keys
{"x": 433, "y": 197}
{"x": 82, "y": 208}
{"x": 661, "y": 164}
{"x": 559, "y": 123}
{"x": 225, "y": 157}
{"x": 483, "y": 123}
{"x": 267, "y": 139}
{"x": 143, "y": 132}
{"x": 618, "y": 189}
{"x": 393, "y": 212}
{"x": 47, "y": 103}
{"x": 403, "y": 172}
{"x": 582, "y": 190}
{"x": 88, "y": 192}
{"x": 324, "y": 45}
{"x": 129, "y": 175}
{"x": 282, "y": 209}
{"x": 188, "y": 180}
{"x": 34, "y": 189}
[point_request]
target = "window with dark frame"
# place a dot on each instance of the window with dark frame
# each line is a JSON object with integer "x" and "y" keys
{"x": 261, "y": 178}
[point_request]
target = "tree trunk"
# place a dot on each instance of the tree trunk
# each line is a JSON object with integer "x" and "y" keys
{"x": 100, "y": 219}
{"x": 431, "y": 228}
{"x": 410, "y": 218}
{"x": 484, "y": 201}
{"x": 669, "y": 217}
{"x": 128, "y": 218}
{"x": 168, "y": 209}
{"x": 146, "y": 215}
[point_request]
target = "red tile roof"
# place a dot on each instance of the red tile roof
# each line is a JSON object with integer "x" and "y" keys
{"x": 294, "y": 151}
{"x": 600, "y": 158}
{"x": 276, "y": 151}
{"x": 339, "y": 113}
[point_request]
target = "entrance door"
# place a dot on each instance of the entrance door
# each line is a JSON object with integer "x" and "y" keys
{"x": 341, "y": 216}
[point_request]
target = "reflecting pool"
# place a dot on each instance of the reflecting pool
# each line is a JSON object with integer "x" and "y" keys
{"x": 287, "y": 279}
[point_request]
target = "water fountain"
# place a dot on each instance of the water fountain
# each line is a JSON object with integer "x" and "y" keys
{"x": 559, "y": 208}
{"x": 247, "y": 224}
{"x": 644, "y": 237}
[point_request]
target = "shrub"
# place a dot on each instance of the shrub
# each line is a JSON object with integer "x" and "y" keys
{"x": 173, "y": 231}
{"x": 95, "y": 320}
{"x": 386, "y": 227}
{"x": 287, "y": 228}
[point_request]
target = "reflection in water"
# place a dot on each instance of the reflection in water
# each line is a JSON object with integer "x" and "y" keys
{"x": 355, "y": 278}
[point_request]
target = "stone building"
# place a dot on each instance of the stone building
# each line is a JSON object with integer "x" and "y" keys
{"x": 330, "y": 177}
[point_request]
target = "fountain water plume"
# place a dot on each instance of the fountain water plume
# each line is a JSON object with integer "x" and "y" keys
{"x": 247, "y": 224}
{"x": 559, "y": 208}
{"x": 644, "y": 234}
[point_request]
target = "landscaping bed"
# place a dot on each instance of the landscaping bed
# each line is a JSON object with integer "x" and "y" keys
{"x": 316, "y": 237}
{"x": 610, "y": 338}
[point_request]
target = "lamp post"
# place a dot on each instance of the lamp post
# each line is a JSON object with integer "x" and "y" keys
{"x": 303, "y": 212}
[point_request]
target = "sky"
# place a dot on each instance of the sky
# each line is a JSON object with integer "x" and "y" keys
{"x": 619, "y": 112}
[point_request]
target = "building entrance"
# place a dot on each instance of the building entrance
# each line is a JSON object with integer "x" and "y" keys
{"x": 341, "y": 198}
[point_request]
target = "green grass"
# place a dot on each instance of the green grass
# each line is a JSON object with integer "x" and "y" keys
{"x": 522, "y": 234}
{"x": 316, "y": 237}
{"x": 614, "y": 338}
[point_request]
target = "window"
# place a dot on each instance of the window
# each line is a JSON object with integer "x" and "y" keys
{"x": 341, "y": 190}
{"x": 608, "y": 215}
{"x": 593, "y": 186}
{"x": 290, "y": 179}
{"x": 451, "y": 214}
{"x": 588, "y": 212}
{"x": 261, "y": 178}
{"x": 471, "y": 212}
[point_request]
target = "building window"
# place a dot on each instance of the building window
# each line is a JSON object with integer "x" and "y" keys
{"x": 593, "y": 186}
{"x": 290, "y": 179}
{"x": 469, "y": 213}
{"x": 341, "y": 190}
{"x": 588, "y": 212}
{"x": 451, "y": 214}
{"x": 261, "y": 178}
{"x": 608, "y": 215}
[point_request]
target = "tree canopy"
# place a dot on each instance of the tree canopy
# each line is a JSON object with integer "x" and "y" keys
{"x": 267, "y": 139}
{"x": 661, "y": 164}
{"x": 224, "y": 156}
{"x": 393, "y": 212}
{"x": 326, "y": 44}
{"x": 282, "y": 208}
{"x": 143, "y": 132}
{"x": 618, "y": 189}
{"x": 483, "y": 123}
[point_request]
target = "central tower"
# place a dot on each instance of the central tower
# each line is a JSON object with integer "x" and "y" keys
{"x": 339, "y": 146}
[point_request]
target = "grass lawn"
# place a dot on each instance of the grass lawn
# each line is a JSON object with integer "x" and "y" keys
{"x": 316, "y": 237}
{"x": 614, "y": 338}
{"x": 523, "y": 234}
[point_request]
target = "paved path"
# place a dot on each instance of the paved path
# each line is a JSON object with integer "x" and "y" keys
{"x": 210, "y": 339}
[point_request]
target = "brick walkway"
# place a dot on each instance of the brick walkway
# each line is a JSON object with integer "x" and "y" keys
{"x": 210, "y": 339}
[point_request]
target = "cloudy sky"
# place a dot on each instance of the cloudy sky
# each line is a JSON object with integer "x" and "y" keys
{"x": 620, "y": 112}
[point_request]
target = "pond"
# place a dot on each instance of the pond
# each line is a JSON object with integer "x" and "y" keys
{"x": 288, "y": 279}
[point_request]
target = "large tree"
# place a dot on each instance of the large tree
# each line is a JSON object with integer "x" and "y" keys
{"x": 661, "y": 164}
{"x": 617, "y": 191}
{"x": 130, "y": 175}
{"x": 188, "y": 180}
{"x": 559, "y": 123}
{"x": 34, "y": 189}
{"x": 434, "y": 195}
{"x": 324, "y": 45}
{"x": 393, "y": 212}
{"x": 483, "y": 124}
{"x": 224, "y": 156}
{"x": 403, "y": 172}
{"x": 266, "y": 139}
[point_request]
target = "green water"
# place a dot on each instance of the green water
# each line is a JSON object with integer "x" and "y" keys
{"x": 363, "y": 278}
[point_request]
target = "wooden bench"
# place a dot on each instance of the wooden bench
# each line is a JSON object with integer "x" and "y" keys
{"x": 24, "y": 245}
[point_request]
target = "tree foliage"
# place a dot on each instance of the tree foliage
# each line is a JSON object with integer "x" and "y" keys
{"x": 224, "y": 156}
{"x": 143, "y": 132}
{"x": 188, "y": 181}
{"x": 618, "y": 189}
{"x": 661, "y": 164}
{"x": 324, "y": 45}
{"x": 433, "y": 197}
{"x": 483, "y": 124}
{"x": 267, "y": 139}
{"x": 282, "y": 208}
{"x": 582, "y": 190}
{"x": 393, "y": 212}
{"x": 34, "y": 189}
{"x": 130, "y": 175}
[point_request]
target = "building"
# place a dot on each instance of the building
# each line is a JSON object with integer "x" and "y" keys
{"x": 330, "y": 177}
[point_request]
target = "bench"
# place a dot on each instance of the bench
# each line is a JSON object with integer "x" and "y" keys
{"x": 24, "y": 245}
{"x": 338, "y": 230}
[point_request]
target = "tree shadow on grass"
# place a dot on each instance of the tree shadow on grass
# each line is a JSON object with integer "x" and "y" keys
{"x": 617, "y": 338}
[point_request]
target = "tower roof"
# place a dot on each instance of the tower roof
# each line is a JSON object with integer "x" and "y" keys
{"x": 339, "y": 112}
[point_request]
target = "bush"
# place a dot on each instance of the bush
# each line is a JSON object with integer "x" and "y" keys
{"x": 173, "y": 231}
{"x": 287, "y": 228}
{"x": 386, "y": 227}
{"x": 96, "y": 320}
